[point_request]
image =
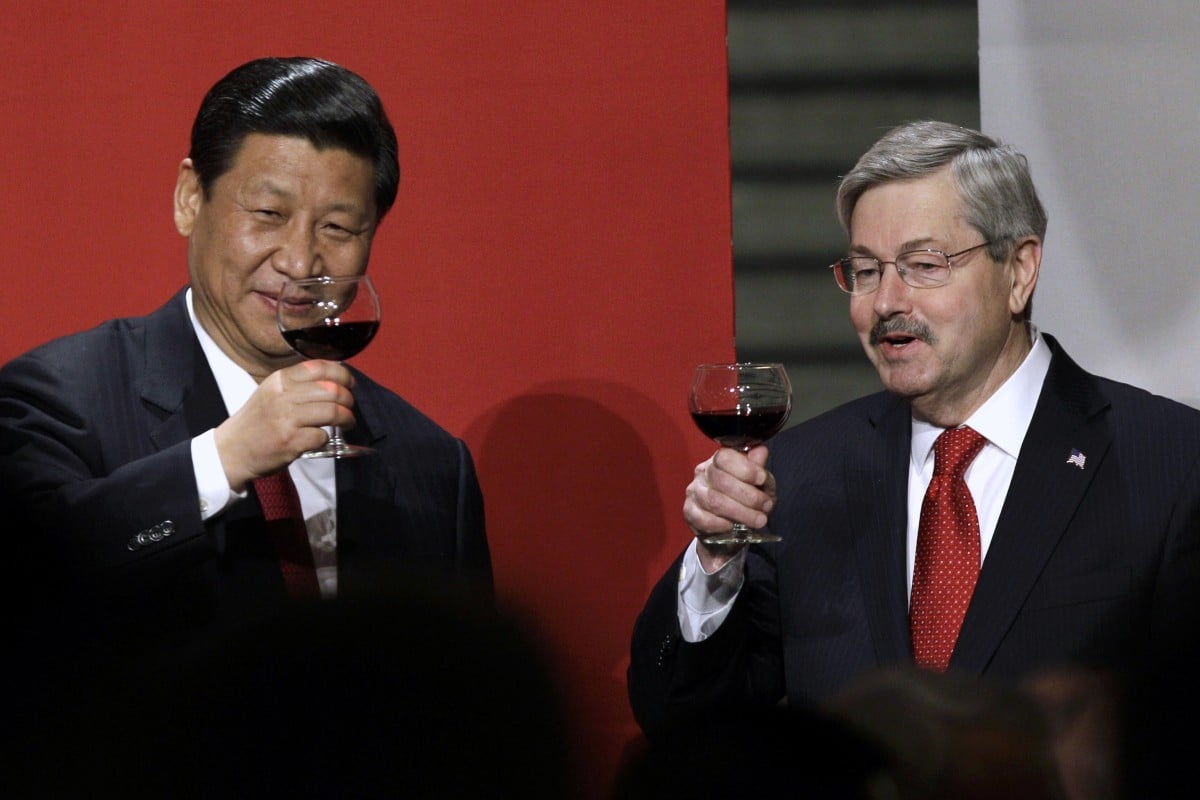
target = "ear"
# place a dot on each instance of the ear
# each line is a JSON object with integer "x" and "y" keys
{"x": 188, "y": 197}
{"x": 1026, "y": 262}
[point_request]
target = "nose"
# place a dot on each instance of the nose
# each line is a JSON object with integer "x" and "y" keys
{"x": 893, "y": 296}
{"x": 296, "y": 255}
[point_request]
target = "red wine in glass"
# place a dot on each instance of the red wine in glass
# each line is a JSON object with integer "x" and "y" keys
{"x": 334, "y": 319}
{"x": 741, "y": 431}
{"x": 740, "y": 406}
{"x": 334, "y": 342}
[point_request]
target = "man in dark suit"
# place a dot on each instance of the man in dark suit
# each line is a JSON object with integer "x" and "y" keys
{"x": 129, "y": 454}
{"x": 1072, "y": 535}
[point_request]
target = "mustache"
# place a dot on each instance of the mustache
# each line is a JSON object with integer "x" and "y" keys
{"x": 905, "y": 327}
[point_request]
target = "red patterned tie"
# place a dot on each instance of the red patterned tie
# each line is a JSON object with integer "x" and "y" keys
{"x": 285, "y": 521}
{"x": 947, "y": 564}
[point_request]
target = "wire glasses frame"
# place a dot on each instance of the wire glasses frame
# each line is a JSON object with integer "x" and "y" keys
{"x": 920, "y": 269}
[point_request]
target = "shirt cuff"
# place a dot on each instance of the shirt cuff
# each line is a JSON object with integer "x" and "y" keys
{"x": 211, "y": 483}
{"x": 705, "y": 599}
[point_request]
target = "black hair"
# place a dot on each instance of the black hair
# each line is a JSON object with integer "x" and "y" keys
{"x": 316, "y": 100}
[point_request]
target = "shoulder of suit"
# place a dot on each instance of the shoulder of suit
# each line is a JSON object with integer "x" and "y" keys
{"x": 84, "y": 352}
{"x": 78, "y": 350}
{"x": 395, "y": 413}
{"x": 844, "y": 422}
{"x": 1140, "y": 406}
{"x": 1125, "y": 399}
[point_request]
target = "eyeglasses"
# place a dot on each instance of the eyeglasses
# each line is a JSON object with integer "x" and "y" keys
{"x": 920, "y": 269}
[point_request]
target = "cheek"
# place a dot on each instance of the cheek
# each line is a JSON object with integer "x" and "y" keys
{"x": 244, "y": 256}
{"x": 861, "y": 314}
{"x": 247, "y": 246}
{"x": 348, "y": 258}
{"x": 229, "y": 250}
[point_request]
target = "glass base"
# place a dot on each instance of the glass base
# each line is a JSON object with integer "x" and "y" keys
{"x": 740, "y": 534}
{"x": 334, "y": 449}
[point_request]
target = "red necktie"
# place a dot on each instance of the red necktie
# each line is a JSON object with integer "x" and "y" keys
{"x": 285, "y": 521}
{"x": 947, "y": 564}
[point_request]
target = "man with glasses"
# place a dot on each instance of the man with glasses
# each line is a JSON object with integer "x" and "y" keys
{"x": 996, "y": 511}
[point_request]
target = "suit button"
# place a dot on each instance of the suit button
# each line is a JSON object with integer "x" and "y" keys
{"x": 167, "y": 527}
{"x": 133, "y": 544}
{"x": 143, "y": 538}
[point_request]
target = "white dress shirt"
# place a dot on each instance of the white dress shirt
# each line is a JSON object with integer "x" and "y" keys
{"x": 706, "y": 598}
{"x": 314, "y": 477}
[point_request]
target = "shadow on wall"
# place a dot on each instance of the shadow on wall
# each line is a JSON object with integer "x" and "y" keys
{"x": 576, "y": 524}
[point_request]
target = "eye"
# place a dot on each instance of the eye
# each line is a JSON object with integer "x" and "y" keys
{"x": 920, "y": 265}
{"x": 337, "y": 231}
{"x": 268, "y": 213}
{"x": 863, "y": 268}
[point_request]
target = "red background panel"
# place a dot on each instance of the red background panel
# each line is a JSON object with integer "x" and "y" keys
{"x": 557, "y": 261}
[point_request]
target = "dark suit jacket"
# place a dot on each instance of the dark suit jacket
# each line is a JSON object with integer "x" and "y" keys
{"x": 1083, "y": 561}
{"x": 95, "y": 433}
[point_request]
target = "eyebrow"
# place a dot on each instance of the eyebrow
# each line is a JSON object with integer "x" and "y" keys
{"x": 268, "y": 186}
{"x": 923, "y": 243}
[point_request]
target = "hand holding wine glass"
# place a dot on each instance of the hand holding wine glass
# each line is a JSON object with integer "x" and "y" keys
{"x": 333, "y": 319}
{"x": 740, "y": 406}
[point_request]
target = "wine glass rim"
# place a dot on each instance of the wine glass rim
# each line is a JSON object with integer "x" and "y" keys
{"x": 325, "y": 279}
{"x": 740, "y": 365}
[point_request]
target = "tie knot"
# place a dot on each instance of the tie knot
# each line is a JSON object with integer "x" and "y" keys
{"x": 955, "y": 449}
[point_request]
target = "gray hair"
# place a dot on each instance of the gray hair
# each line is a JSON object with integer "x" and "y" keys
{"x": 993, "y": 179}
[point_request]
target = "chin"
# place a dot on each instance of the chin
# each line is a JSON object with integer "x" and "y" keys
{"x": 910, "y": 386}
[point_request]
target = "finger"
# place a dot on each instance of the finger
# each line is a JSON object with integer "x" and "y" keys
{"x": 709, "y": 510}
{"x": 740, "y": 466}
{"x": 319, "y": 392}
{"x": 745, "y": 491}
{"x": 768, "y": 489}
{"x": 317, "y": 370}
{"x": 318, "y": 416}
{"x": 307, "y": 382}
{"x": 704, "y": 522}
{"x": 306, "y": 439}
{"x": 712, "y": 481}
{"x": 759, "y": 454}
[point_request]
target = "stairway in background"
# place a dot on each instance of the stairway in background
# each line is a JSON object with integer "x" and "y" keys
{"x": 812, "y": 85}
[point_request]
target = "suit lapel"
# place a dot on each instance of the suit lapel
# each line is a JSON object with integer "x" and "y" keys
{"x": 365, "y": 487}
{"x": 367, "y": 430}
{"x": 1045, "y": 491}
{"x": 877, "y": 497}
{"x": 175, "y": 377}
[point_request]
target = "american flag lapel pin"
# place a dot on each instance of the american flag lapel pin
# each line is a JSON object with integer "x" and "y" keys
{"x": 1077, "y": 458}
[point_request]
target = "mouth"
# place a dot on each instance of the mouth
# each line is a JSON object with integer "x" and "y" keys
{"x": 898, "y": 334}
{"x": 896, "y": 340}
{"x": 272, "y": 301}
{"x": 288, "y": 310}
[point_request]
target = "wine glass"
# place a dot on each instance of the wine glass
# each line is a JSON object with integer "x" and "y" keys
{"x": 740, "y": 405}
{"x": 334, "y": 319}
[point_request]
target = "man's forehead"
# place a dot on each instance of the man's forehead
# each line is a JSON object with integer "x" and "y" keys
{"x": 918, "y": 243}
{"x": 287, "y": 146}
{"x": 912, "y": 213}
{"x": 288, "y": 166}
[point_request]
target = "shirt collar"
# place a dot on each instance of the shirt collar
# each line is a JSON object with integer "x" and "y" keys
{"x": 235, "y": 384}
{"x": 1004, "y": 417}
